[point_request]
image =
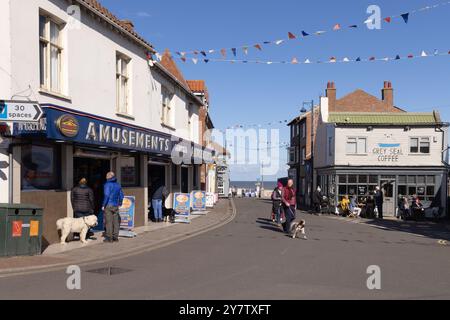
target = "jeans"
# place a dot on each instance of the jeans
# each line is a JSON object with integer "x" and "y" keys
{"x": 277, "y": 211}
{"x": 157, "y": 209}
{"x": 112, "y": 220}
{"x": 290, "y": 214}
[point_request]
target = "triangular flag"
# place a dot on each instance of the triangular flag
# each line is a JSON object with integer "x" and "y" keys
{"x": 332, "y": 59}
{"x": 278, "y": 42}
{"x": 212, "y": 51}
{"x": 346, "y": 59}
{"x": 203, "y": 53}
{"x": 388, "y": 19}
{"x": 405, "y": 17}
{"x": 183, "y": 54}
{"x": 291, "y": 36}
{"x": 424, "y": 54}
{"x": 195, "y": 52}
{"x": 183, "y": 59}
{"x": 178, "y": 53}
{"x": 307, "y": 61}
{"x": 358, "y": 59}
{"x": 320, "y": 32}
{"x": 267, "y": 42}
{"x": 258, "y": 46}
{"x": 410, "y": 56}
{"x": 353, "y": 26}
{"x": 206, "y": 60}
{"x": 372, "y": 59}
{"x": 158, "y": 56}
{"x": 294, "y": 61}
{"x": 223, "y": 52}
{"x": 337, "y": 27}
{"x": 234, "y": 51}
{"x": 397, "y": 57}
{"x": 245, "y": 49}
{"x": 436, "y": 52}
{"x": 385, "y": 59}
{"x": 269, "y": 62}
{"x": 195, "y": 60}
{"x": 370, "y": 20}
{"x": 305, "y": 34}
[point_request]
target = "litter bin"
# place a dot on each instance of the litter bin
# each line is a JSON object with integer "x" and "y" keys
{"x": 20, "y": 230}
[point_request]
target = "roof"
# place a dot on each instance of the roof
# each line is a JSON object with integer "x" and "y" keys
{"x": 361, "y": 101}
{"x": 96, "y": 7}
{"x": 169, "y": 64}
{"x": 199, "y": 87}
{"x": 304, "y": 115}
{"x": 368, "y": 118}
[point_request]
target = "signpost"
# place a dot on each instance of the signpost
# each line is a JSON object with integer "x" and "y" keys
{"x": 20, "y": 111}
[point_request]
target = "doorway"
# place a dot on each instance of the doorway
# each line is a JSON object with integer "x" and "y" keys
{"x": 156, "y": 178}
{"x": 388, "y": 188}
{"x": 184, "y": 180}
{"x": 94, "y": 170}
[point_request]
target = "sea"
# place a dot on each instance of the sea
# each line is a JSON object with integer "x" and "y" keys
{"x": 268, "y": 185}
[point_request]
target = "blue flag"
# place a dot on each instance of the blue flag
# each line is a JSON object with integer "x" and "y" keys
{"x": 405, "y": 17}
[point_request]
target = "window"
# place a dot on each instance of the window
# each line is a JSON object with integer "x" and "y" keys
{"x": 291, "y": 155}
{"x": 304, "y": 130}
{"x": 122, "y": 84}
{"x": 420, "y": 145}
{"x": 41, "y": 167}
{"x": 167, "y": 97}
{"x": 129, "y": 170}
{"x": 50, "y": 54}
{"x": 330, "y": 146}
{"x": 356, "y": 145}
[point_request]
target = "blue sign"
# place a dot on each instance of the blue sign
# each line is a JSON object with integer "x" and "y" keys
{"x": 126, "y": 212}
{"x": 67, "y": 125}
{"x": 182, "y": 207}
{"x": 388, "y": 145}
{"x": 3, "y": 110}
{"x": 198, "y": 200}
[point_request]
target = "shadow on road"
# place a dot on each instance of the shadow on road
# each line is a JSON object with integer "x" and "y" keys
{"x": 267, "y": 224}
{"x": 432, "y": 230}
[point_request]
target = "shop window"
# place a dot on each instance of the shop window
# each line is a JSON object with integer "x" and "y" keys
{"x": 421, "y": 191}
{"x": 342, "y": 179}
{"x": 352, "y": 190}
{"x": 412, "y": 179}
{"x": 421, "y": 179}
{"x": 342, "y": 190}
{"x": 129, "y": 170}
{"x": 50, "y": 54}
{"x": 41, "y": 167}
{"x": 373, "y": 179}
{"x": 352, "y": 179}
{"x": 412, "y": 191}
{"x": 402, "y": 179}
{"x": 430, "y": 191}
{"x": 431, "y": 179}
{"x": 362, "y": 179}
{"x": 402, "y": 191}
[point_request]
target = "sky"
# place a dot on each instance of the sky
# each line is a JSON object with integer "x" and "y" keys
{"x": 245, "y": 94}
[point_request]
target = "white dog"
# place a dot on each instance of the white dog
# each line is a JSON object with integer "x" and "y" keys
{"x": 298, "y": 228}
{"x": 76, "y": 225}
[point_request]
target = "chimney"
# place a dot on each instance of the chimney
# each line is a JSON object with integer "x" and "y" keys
{"x": 128, "y": 24}
{"x": 388, "y": 95}
{"x": 331, "y": 95}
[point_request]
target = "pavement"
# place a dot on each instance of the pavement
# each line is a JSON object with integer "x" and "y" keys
{"x": 153, "y": 236}
{"x": 250, "y": 258}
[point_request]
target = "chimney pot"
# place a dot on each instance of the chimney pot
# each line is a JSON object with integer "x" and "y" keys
{"x": 331, "y": 95}
{"x": 388, "y": 95}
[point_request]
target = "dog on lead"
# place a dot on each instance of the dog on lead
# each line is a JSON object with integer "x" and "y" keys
{"x": 76, "y": 225}
{"x": 297, "y": 229}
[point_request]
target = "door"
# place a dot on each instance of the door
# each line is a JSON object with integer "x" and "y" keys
{"x": 388, "y": 187}
{"x": 184, "y": 180}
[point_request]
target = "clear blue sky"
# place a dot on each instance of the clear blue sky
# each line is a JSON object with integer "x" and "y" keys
{"x": 249, "y": 94}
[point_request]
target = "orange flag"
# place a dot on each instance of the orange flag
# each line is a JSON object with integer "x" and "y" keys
{"x": 258, "y": 46}
{"x": 337, "y": 27}
{"x": 291, "y": 36}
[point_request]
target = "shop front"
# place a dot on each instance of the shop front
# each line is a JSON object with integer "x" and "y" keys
{"x": 427, "y": 183}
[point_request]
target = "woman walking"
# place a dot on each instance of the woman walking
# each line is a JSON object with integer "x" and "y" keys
{"x": 277, "y": 198}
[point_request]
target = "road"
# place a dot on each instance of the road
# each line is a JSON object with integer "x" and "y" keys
{"x": 251, "y": 259}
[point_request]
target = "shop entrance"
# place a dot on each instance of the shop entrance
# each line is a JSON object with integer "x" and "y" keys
{"x": 94, "y": 170}
{"x": 156, "y": 178}
{"x": 184, "y": 180}
{"x": 388, "y": 188}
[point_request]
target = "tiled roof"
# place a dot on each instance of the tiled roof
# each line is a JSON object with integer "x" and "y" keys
{"x": 95, "y": 6}
{"x": 169, "y": 64}
{"x": 361, "y": 101}
{"x": 368, "y": 118}
{"x": 199, "y": 86}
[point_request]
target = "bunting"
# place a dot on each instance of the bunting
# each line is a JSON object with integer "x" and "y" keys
{"x": 405, "y": 17}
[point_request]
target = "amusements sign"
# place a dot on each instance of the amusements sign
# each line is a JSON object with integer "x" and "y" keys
{"x": 198, "y": 202}
{"x": 127, "y": 213}
{"x": 182, "y": 207}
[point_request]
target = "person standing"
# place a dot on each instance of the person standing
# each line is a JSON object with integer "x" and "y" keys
{"x": 317, "y": 200}
{"x": 158, "y": 197}
{"x": 82, "y": 199}
{"x": 277, "y": 198}
{"x": 113, "y": 198}
{"x": 289, "y": 205}
{"x": 379, "y": 200}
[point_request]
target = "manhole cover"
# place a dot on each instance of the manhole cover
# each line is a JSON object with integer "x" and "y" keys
{"x": 110, "y": 271}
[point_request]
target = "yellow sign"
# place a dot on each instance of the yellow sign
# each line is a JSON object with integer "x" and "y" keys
{"x": 34, "y": 228}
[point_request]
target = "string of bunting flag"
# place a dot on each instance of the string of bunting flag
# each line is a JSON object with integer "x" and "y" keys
{"x": 295, "y": 60}
{"x": 205, "y": 54}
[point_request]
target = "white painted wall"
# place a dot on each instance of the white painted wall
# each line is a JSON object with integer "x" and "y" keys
{"x": 389, "y": 136}
{"x": 89, "y": 59}
{"x": 5, "y": 51}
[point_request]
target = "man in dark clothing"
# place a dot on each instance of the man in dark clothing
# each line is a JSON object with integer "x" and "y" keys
{"x": 82, "y": 199}
{"x": 158, "y": 196}
{"x": 289, "y": 205}
{"x": 317, "y": 200}
{"x": 379, "y": 200}
{"x": 113, "y": 198}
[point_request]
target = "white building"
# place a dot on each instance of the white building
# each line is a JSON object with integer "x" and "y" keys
{"x": 106, "y": 107}
{"x": 403, "y": 153}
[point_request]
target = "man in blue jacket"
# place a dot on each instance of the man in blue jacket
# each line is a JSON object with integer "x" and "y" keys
{"x": 112, "y": 201}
